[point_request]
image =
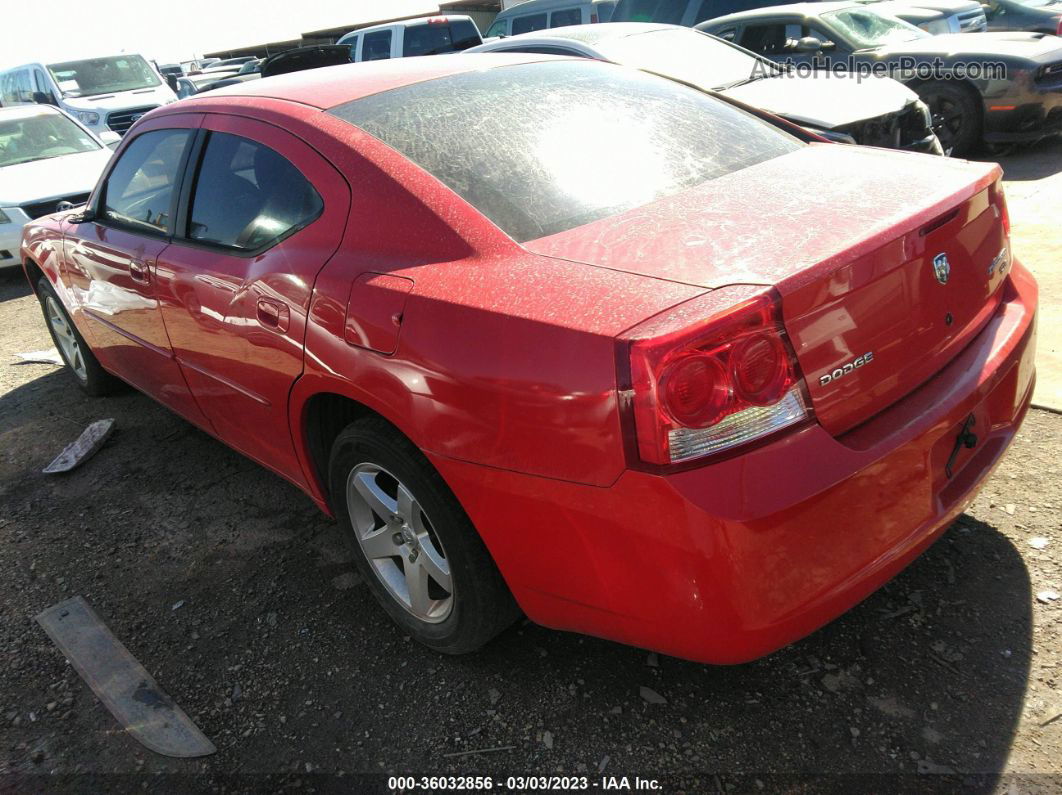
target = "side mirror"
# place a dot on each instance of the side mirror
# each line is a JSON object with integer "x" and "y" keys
{"x": 110, "y": 138}
{"x": 44, "y": 98}
{"x": 86, "y": 216}
{"x": 808, "y": 44}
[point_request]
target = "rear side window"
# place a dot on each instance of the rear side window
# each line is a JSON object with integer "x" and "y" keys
{"x": 17, "y": 88}
{"x": 247, "y": 196}
{"x": 139, "y": 190}
{"x": 376, "y": 46}
{"x": 529, "y": 23}
{"x": 569, "y": 16}
{"x": 502, "y": 138}
{"x": 432, "y": 38}
{"x": 667, "y": 11}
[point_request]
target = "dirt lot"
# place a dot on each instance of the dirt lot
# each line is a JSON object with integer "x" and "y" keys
{"x": 241, "y": 600}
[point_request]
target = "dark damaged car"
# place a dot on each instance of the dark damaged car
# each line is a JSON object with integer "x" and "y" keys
{"x": 992, "y": 87}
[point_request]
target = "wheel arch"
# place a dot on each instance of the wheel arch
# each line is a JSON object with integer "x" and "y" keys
{"x": 34, "y": 273}
{"x": 973, "y": 94}
{"x": 963, "y": 84}
{"x": 317, "y": 418}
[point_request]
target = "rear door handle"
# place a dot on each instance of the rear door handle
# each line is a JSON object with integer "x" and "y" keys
{"x": 273, "y": 314}
{"x": 139, "y": 271}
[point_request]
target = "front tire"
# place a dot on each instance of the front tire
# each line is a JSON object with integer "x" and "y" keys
{"x": 413, "y": 543}
{"x": 79, "y": 359}
{"x": 956, "y": 116}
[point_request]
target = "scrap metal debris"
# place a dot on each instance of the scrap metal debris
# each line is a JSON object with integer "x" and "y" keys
{"x": 1047, "y": 596}
{"x": 49, "y": 356}
{"x": 120, "y": 682}
{"x": 495, "y": 749}
{"x": 90, "y": 440}
{"x": 651, "y": 696}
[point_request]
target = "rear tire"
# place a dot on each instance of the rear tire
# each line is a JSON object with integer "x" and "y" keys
{"x": 956, "y": 116}
{"x": 413, "y": 543}
{"x": 79, "y": 359}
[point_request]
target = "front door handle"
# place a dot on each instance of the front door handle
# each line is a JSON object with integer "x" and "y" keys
{"x": 139, "y": 271}
{"x": 273, "y": 314}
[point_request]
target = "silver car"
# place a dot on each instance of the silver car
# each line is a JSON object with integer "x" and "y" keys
{"x": 876, "y": 111}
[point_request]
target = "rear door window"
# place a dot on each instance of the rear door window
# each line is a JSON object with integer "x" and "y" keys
{"x": 376, "y": 46}
{"x": 139, "y": 193}
{"x": 529, "y": 23}
{"x": 666, "y": 11}
{"x": 248, "y": 197}
{"x": 433, "y": 38}
{"x": 569, "y": 16}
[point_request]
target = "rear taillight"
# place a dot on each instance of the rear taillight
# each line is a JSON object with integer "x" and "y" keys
{"x": 999, "y": 199}
{"x": 593, "y": 18}
{"x": 1058, "y": 30}
{"x": 711, "y": 375}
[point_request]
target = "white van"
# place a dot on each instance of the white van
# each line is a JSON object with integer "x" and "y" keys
{"x": 105, "y": 94}
{"x": 533, "y": 15}
{"x": 421, "y": 36}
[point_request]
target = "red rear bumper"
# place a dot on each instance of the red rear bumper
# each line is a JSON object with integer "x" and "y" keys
{"x": 731, "y": 561}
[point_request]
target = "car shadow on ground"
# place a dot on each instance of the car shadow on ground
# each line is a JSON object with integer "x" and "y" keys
{"x": 242, "y": 601}
{"x": 1029, "y": 162}
{"x": 13, "y": 284}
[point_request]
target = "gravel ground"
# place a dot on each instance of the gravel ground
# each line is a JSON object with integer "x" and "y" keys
{"x": 243, "y": 603}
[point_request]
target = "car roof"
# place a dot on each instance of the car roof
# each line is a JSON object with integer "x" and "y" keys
{"x": 531, "y": 6}
{"x": 799, "y": 9}
{"x": 27, "y": 111}
{"x": 403, "y": 23}
{"x": 592, "y": 34}
{"x": 329, "y": 86}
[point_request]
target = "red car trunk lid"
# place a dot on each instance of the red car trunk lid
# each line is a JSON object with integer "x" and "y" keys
{"x": 873, "y": 329}
{"x": 848, "y": 235}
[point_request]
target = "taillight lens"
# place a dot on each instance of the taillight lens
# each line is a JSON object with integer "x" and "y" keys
{"x": 1058, "y": 30}
{"x": 999, "y": 199}
{"x": 713, "y": 374}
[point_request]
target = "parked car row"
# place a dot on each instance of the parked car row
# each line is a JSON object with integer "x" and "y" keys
{"x": 106, "y": 94}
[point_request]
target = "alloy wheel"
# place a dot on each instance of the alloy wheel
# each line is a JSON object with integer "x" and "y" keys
{"x": 400, "y": 543}
{"x": 948, "y": 120}
{"x": 69, "y": 346}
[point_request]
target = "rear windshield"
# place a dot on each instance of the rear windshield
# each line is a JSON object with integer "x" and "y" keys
{"x": 432, "y": 38}
{"x": 544, "y": 147}
{"x": 688, "y": 55}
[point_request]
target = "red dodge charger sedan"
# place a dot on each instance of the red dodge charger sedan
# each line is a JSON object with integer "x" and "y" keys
{"x": 556, "y": 336}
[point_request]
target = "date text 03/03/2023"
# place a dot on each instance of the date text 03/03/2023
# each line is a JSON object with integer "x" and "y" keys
{"x": 521, "y": 783}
